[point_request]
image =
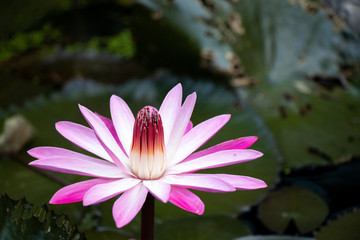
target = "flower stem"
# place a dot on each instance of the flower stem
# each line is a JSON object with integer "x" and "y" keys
{"x": 147, "y": 219}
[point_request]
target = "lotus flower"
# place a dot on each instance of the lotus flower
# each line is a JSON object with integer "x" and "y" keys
{"x": 152, "y": 153}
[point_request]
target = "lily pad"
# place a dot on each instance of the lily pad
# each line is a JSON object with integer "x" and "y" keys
{"x": 258, "y": 43}
{"x": 180, "y": 23}
{"x": 209, "y": 227}
{"x": 305, "y": 208}
{"x": 107, "y": 234}
{"x": 345, "y": 226}
{"x": 271, "y": 48}
{"x": 252, "y": 37}
{"x": 273, "y": 238}
{"x": 21, "y": 220}
{"x": 310, "y": 129}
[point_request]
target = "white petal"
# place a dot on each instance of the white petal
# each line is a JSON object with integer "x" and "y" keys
{"x": 82, "y": 136}
{"x": 105, "y": 136}
{"x": 217, "y": 159}
{"x": 94, "y": 168}
{"x": 123, "y": 120}
{"x": 197, "y": 136}
{"x": 105, "y": 191}
{"x": 129, "y": 204}
{"x": 169, "y": 110}
{"x": 180, "y": 124}
{"x": 201, "y": 182}
{"x": 158, "y": 189}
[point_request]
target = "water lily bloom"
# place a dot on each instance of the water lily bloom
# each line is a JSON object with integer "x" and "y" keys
{"x": 152, "y": 153}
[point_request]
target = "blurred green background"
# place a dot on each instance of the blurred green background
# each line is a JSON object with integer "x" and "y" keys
{"x": 288, "y": 71}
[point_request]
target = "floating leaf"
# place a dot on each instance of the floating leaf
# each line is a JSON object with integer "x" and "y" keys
{"x": 345, "y": 226}
{"x": 304, "y": 208}
{"x": 252, "y": 37}
{"x": 181, "y": 23}
{"x": 271, "y": 48}
{"x": 260, "y": 45}
{"x": 273, "y": 238}
{"x": 310, "y": 129}
{"x": 108, "y": 234}
{"x": 21, "y": 220}
{"x": 209, "y": 227}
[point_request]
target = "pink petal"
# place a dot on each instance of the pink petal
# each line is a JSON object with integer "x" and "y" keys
{"x": 217, "y": 159}
{"x": 169, "y": 110}
{"x": 75, "y": 192}
{"x": 180, "y": 124}
{"x": 83, "y": 137}
{"x": 240, "y": 143}
{"x": 103, "y": 192}
{"x": 105, "y": 136}
{"x": 109, "y": 124}
{"x": 123, "y": 120}
{"x": 94, "y": 168}
{"x": 201, "y": 182}
{"x": 55, "y": 152}
{"x": 129, "y": 204}
{"x": 242, "y": 182}
{"x": 188, "y": 127}
{"x": 186, "y": 200}
{"x": 158, "y": 189}
{"x": 198, "y": 136}
{"x": 115, "y": 158}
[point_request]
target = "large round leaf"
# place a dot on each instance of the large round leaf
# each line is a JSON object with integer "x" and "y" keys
{"x": 310, "y": 128}
{"x": 252, "y": 37}
{"x": 345, "y": 226}
{"x": 300, "y": 205}
{"x": 271, "y": 47}
{"x": 273, "y": 238}
{"x": 210, "y": 228}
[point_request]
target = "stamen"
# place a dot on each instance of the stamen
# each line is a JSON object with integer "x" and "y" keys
{"x": 147, "y": 157}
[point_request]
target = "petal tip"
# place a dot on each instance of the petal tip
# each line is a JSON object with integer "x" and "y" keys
{"x": 54, "y": 200}
{"x": 59, "y": 124}
{"x": 177, "y": 87}
{"x": 262, "y": 184}
{"x": 253, "y": 139}
{"x": 114, "y": 98}
{"x": 32, "y": 152}
{"x": 193, "y": 95}
{"x": 199, "y": 212}
{"x": 82, "y": 108}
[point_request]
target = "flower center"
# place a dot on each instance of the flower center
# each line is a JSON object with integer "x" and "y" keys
{"x": 147, "y": 157}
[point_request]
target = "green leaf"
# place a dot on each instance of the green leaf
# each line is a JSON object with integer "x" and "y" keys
{"x": 22, "y": 42}
{"x": 345, "y": 226}
{"x": 271, "y": 47}
{"x": 252, "y": 37}
{"x": 258, "y": 43}
{"x": 273, "y": 238}
{"x": 107, "y": 234}
{"x": 21, "y": 220}
{"x": 15, "y": 17}
{"x": 300, "y": 205}
{"x": 195, "y": 228}
{"x": 310, "y": 129}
